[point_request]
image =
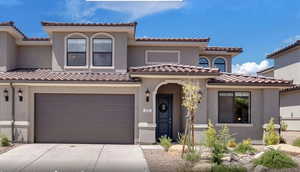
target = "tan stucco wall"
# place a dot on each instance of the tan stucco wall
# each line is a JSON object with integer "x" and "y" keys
{"x": 8, "y": 51}
{"x": 120, "y": 53}
{"x": 290, "y": 104}
{"x": 34, "y": 57}
{"x": 188, "y": 55}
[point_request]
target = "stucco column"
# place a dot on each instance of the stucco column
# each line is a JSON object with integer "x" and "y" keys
{"x": 6, "y": 111}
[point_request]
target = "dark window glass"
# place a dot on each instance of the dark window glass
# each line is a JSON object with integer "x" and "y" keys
{"x": 220, "y": 63}
{"x": 102, "y": 52}
{"x": 234, "y": 107}
{"x": 203, "y": 62}
{"x": 76, "y": 52}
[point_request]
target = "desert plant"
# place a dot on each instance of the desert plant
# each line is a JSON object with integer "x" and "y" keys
{"x": 275, "y": 159}
{"x": 231, "y": 143}
{"x": 271, "y": 137}
{"x": 211, "y": 135}
{"x": 296, "y": 142}
{"x": 165, "y": 142}
{"x": 5, "y": 141}
{"x": 192, "y": 156}
{"x": 217, "y": 153}
{"x": 223, "y": 137}
{"x": 245, "y": 147}
{"x": 283, "y": 126}
{"x": 228, "y": 168}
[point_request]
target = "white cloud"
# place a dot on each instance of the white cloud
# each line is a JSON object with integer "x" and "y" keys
{"x": 9, "y": 2}
{"x": 80, "y": 10}
{"x": 250, "y": 68}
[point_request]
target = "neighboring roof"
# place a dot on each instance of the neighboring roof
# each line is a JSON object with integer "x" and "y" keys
{"x": 246, "y": 80}
{"x": 266, "y": 70}
{"x": 87, "y": 24}
{"x": 293, "y": 88}
{"x": 12, "y": 24}
{"x": 173, "y": 69}
{"x": 48, "y": 75}
{"x": 36, "y": 39}
{"x": 295, "y": 44}
{"x": 174, "y": 39}
{"x": 227, "y": 49}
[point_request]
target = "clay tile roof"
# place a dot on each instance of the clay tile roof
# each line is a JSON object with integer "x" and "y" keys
{"x": 295, "y": 44}
{"x": 174, "y": 39}
{"x": 246, "y": 80}
{"x": 48, "y": 75}
{"x": 228, "y": 49}
{"x": 36, "y": 39}
{"x": 12, "y": 24}
{"x": 174, "y": 69}
{"x": 87, "y": 24}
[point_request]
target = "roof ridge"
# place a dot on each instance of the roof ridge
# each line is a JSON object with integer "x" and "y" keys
{"x": 49, "y": 23}
{"x": 280, "y": 50}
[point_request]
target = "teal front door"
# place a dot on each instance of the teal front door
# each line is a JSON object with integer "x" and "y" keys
{"x": 164, "y": 115}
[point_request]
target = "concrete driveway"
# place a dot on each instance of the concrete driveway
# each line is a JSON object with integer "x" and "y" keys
{"x": 74, "y": 158}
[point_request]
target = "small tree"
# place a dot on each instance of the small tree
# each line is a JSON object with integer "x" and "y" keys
{"x": 191, "y": 99}
{"x": 211, "y": 135}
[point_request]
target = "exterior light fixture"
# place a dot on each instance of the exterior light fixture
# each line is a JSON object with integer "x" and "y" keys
{"x": 147, "y": 93}
{"x": 200, "y": 93}
{"x": 20, "y": 95}
{"x": 5, "y": 92}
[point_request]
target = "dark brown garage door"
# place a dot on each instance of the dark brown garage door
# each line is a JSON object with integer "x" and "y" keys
{"x": 84, "y": 118}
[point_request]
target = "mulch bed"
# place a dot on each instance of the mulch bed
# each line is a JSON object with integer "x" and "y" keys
{"x": 161, "y": 161}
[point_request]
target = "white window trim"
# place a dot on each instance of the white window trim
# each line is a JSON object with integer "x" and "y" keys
{"x": 209, "y": 62}
{"x": 225, "y": 60}
{"x": 162, "y": 51}
{"x": 235, "y": 124}
{"x": 113, "y": 51}
{"x": 86, "y": 53}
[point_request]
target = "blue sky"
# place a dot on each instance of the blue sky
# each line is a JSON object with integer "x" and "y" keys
{"x": 258, "y": 26}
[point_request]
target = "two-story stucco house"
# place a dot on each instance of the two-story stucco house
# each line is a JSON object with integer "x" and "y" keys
{"x": 287, "y": 66}
{"x": 98, "y": 83}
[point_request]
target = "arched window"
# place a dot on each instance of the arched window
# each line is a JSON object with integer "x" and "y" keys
{"x": 203, "y": 62}
{"x": 220, "y": 63}
{"x": 102, "y": 50}
{"x": 76, "y": 50}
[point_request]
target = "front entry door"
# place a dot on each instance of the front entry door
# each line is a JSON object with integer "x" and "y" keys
{"x": 164, "y": 115}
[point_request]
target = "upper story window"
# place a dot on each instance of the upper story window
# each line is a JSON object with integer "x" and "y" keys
{"x": 203, "y": 62}
{"x": 102, "y": 52}
{"x": 234, "y": 107}
{"x": 76, "y": 50}
{"x": 220, "y": 63}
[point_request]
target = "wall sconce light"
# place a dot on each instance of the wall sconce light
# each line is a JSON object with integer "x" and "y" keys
{"x": 147, "y": 93}
{"x": 20, "y": 95}
{"x": 5, "y": 92}
{"x": 200, "y": 92}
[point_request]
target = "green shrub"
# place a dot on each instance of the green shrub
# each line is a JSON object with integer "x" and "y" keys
{"x": 271, "y": 137}
{"x": 224, "y": 137}
{"x": 5, "y": 141}
{"x": 165, "y": 142}
{"x": 228, "y": 168}
{"x": 283, "y": 126}
{"x": 211, "y": 135}
{"x": 192, "y": 156}
{"x": 217, "y": 153}
{"x": 245, "y": 147}
{"x": 275, "y": 159}
{"x": 296, "y": 142}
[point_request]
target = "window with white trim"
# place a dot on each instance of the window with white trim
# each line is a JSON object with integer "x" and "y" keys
{"x": 102, "y": 52}
{"x": 76, "y": 52}
{"x": 234, "y": 107}
{"x": 203, "y": 62}
{"x": 220, "y": 64}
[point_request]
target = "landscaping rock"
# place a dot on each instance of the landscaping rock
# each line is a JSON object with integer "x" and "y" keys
{"x": 258, "y": 155}
{"x": 260, "y": 168}
{"x": 250, "y": 166}
{"x": 175, "y": 148}
{"x": 292, "y": 150}
{"x": 202, "y": 166}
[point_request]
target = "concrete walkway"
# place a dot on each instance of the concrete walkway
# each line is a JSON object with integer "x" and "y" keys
{"x": 74, "y": 158}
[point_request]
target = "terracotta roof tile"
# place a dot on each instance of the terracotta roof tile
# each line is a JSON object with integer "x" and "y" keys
{"x": 228, "y": 49}
{"x": 36, "y": 39}
{"x": 246, "y": 80}
{"x": 173, "y": 69}
{"x": 295, "y": 44}
{"x": 48, "y": 75}
{"x": 174, "y": 39}
{"x": 87, "y": 24}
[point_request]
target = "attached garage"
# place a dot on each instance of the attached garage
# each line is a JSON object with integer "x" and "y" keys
{"x": 84, "y": 118}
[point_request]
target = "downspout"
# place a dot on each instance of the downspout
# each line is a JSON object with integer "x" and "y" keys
{"x": 12, "y": 112}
